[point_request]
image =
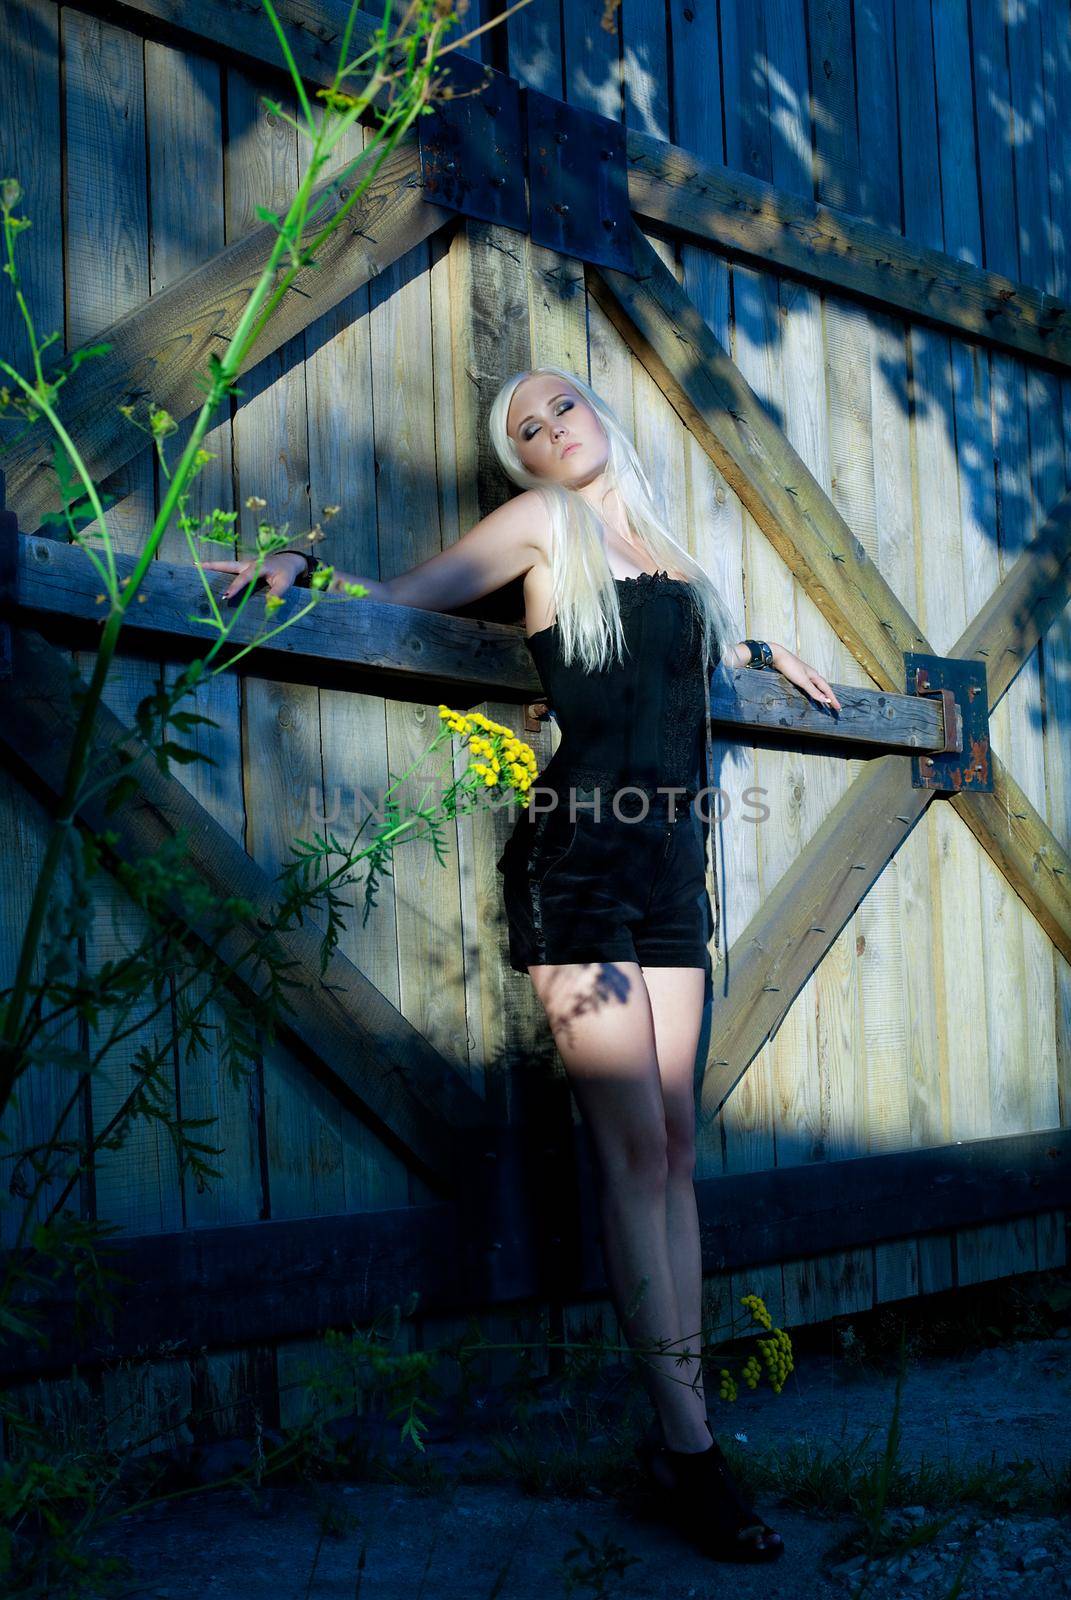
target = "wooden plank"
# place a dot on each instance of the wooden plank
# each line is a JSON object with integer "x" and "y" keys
{"x": 740, "y": 1134}
{"x": 186, "y": 187}
{"x": 161, "y": 346}
{"x": 1056, "y": 644}
{"x": 372, "y": 1054}
{"x": 107, "y": 251}
{"x": 828, "y": 420}
{"x": 758, "y": 222}
{"x": 364, "y": 643}
{"x": 231, "y": 27}
{"x": 908, "y": 879}
{"x": 777, "y": 1119}
{"x": 341, "y": 473}
{"x": 403, "y": 429}
{"x": 225, "y": 1286}
{"x": 30, "y": 125}
{"x": 229, "y": 1286}
{"x": 281, "y": 760}
{"x": 1006, "y": 929}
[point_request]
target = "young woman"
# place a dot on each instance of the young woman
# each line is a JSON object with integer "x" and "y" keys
{"x": 604, "y": 875}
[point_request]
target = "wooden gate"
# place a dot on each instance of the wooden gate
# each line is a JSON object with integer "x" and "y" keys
{"x": 887, "y": 1052}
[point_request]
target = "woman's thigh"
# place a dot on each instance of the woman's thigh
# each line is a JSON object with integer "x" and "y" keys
{"x": 602, "y": 1022}
{"x": 676, "y": 996}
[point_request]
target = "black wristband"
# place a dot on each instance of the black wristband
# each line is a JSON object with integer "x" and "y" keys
{"x": 761, "y": 654}
{"x": 302, "y": 579}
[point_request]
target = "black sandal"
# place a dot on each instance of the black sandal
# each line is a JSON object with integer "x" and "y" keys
{"x": 705, "y": 1502}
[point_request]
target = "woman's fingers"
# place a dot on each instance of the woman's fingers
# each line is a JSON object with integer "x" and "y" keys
{"x": 247, "y": 574}
{"x": 278, "y": 575}
{"x": 824, "y": 693}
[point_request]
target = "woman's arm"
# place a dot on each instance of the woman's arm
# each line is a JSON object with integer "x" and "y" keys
{"x": 501, "y": 546}
{"x": 795, "y": 670}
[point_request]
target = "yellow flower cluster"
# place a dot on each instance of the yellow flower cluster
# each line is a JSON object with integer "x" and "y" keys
{"x": 777, "y": 1354}
{"x": 727, "y": 1385}
{"x": 757, "y": 1306}
{"x": 507, "y": 757}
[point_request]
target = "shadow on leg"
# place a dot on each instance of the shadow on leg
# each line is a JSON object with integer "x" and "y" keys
{"x": 601, "y": 1019}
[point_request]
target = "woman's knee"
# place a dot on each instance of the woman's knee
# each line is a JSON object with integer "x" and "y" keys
{"x": 637, "y": 1159}
{"x": 680, "y": 1147}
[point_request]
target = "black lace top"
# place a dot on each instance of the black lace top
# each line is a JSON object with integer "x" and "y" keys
{"x": 638, "y": 723}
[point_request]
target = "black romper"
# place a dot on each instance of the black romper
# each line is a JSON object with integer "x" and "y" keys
{"x": 578, "y": 882}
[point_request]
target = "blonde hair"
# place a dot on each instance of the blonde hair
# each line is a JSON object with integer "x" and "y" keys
{"x": 585, "y": 594}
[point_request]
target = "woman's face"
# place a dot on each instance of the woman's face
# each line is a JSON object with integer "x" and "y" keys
{"x": 555, "y": 431}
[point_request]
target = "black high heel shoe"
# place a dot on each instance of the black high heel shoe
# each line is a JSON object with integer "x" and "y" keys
{"x": 698, "y": 1495}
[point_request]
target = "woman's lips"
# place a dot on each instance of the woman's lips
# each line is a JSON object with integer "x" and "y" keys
{"x": 574, "y": 446}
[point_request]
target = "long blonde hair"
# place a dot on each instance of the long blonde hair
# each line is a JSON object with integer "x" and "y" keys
{"x": 585, "y": 595}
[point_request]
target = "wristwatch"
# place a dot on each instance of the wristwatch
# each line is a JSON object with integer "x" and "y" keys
{"x": 302, "y": 579}
{"x": 761, "y": 654}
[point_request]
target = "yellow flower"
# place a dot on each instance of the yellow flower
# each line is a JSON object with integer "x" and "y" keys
{"x": 337, "y": 99}
{"x": 272, "y": 602}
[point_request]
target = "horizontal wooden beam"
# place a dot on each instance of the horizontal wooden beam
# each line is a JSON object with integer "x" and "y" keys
{"x": 371, "y": 646}
{"x": 159, "y": 350}
{"x": 363, "y": 645}
{"x": 217, "y": 1287}
{"x": 228, "y": 28}
{"x": 677, "y": 190}
{"x": 340, "y": 1023}
{"x": 833, "y": 249}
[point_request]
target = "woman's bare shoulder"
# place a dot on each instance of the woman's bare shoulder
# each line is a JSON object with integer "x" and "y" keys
{"x": 505, "y": 544}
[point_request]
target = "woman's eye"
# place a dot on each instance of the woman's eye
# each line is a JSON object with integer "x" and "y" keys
{"x": 566, "y": 405}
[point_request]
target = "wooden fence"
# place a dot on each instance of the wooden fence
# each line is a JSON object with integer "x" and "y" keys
{"x": 887, "y": 1054}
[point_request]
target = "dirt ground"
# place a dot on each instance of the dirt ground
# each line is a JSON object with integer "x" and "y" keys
{"x": 1006, "y": 1405}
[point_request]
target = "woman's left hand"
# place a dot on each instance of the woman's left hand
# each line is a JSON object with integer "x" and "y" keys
{"x": 805, "y": 677}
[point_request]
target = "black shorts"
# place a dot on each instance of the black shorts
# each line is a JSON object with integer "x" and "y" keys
{"x": 607, "y": 890}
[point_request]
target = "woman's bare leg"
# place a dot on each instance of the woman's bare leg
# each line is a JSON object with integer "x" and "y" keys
{"x": 676, "y": 998}
{"x": 601, "y": 1018}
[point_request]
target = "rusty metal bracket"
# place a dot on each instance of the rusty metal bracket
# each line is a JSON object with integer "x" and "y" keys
{"x": 962, "y": 763}
{"x": 536, "y": 712}
{"x": 578, "y": 182}
{"x": 472, "y": 145}
{"x": 480, "y": 144}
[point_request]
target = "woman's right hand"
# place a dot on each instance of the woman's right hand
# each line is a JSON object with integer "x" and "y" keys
{"x": 278, "y": 570}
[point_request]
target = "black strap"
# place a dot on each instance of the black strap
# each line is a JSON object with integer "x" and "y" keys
{"x": 302, "y": 579}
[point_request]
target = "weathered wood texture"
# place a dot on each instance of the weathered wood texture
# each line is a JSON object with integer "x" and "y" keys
{"x": 350, "y": 644}
{"x": 925, "y": 447}
{"x": 225, "y": 1286}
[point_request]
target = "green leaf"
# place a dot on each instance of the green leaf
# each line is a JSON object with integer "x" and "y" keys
{"x": 86, "y": 354}
{"x": 184, "y": 720}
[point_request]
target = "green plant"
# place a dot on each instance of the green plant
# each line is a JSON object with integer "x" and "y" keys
{"x": 63, "y": 1013}
{"x": 600, "y": 1562}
